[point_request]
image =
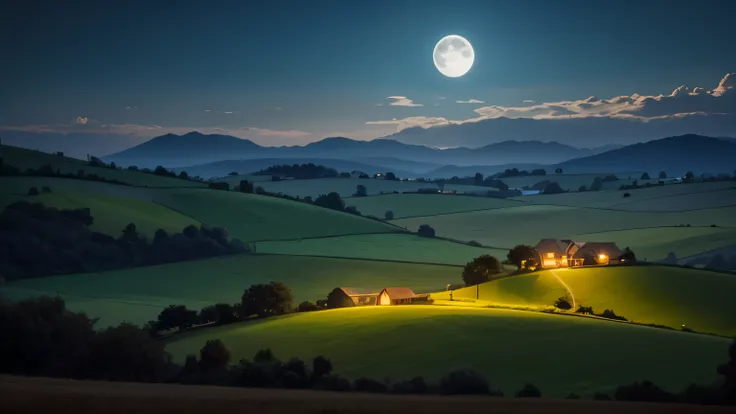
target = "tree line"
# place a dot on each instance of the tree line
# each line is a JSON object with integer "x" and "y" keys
{"x": 299, "y": 171}
{"x": 36, "y": 240}
{"x": 43, "y": 338}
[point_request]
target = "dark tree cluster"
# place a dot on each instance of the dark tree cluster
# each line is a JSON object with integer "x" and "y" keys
{"x": 481, "y": 269}
{"x": 515, "y": 172}
{"x": 39, "y": 241}
{"x": 523, "y": 257}
{"x": 299, "y": 171}
{"x": 553, "y": 188}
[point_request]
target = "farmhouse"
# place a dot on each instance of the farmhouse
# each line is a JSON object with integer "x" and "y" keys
{"x": 372, "y": 297}
{"x": 554, "y": 253}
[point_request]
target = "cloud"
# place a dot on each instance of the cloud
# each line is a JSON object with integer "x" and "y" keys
{"x": 278, "y": 108}
{"x": 228, "y": 112}
{"x": 441, "y": 97}
{"x": 412, "y": 122}
{"x": 529, "y": 101}
{"x": 402, "y": 101}
{"x": 131, "y": 107}
{"x": 471, "y": 101}
{"x": 378, "y": 104}
{"x": 81, "y": 120}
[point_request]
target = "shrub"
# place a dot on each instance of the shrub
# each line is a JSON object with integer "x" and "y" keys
{"x": 585, "y": 310}
{"x": 643, "y": 391}
{"x": 597, "y": 184}
{"x": 627, "y": 195}
{"x": 425, "y": 231}
{"x": 563, "y": 303}
{"x": 553, "y": 188}
{"x": 529, "y": 391}
{"x": 645, "y": 176}
{"x": 582, "y": 188}
{"x": 464, "y": 382}
{"x": 360, "y": 191}
{"x": 481, "y": 270}
{"x": 610, "y": 314}
{"x": 214, "y": 356}
{"x": 321, "y": 367}
{"x": 364, "y": 384}
{"x": 388, "y": 215}
{"x": 33, "y": 191}
{"x": 307, "y": 306}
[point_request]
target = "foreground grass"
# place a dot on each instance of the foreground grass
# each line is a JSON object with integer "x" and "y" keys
{"x": 670, "y": 296}
{"x": 398, "y": 247}
{"x": 138, "y": 295}
{"x": 558, "y": 354}
{"x": 26, "y": 395}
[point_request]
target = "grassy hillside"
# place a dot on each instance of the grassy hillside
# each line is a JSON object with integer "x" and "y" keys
{"x": 346, "y": 186}
{"x": 527, "y": 224}
{"x": 679, "y": 202}
{"x": 573, "y": 181}
{"x": 558, "y": 354}
{"x": 399, "y": 247}
{"x": 25, "y": 159}
{"x": 138, "y": 295}
{"x": 413, "y": 205}
{"x": 669, "y": 296}
{"x": 253, "y": 217}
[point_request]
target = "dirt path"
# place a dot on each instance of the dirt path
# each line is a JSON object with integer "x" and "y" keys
{"x": 42, "y": 395}
{"x": 567, "y": 288}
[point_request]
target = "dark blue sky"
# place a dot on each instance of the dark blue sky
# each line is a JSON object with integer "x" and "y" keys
{"x": 322, "y": 66}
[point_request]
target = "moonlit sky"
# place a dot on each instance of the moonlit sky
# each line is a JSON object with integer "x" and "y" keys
{"x": 282, "y": 72}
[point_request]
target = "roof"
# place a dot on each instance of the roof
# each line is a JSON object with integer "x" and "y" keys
{"x": 359, "y": 291}
{"x": 553, "y": 245}
{"x": 397, "y": 293}
{"x": 608, "y": 247}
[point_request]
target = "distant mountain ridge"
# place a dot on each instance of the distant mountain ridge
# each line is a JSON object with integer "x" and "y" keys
{"x": 195, "y": 148}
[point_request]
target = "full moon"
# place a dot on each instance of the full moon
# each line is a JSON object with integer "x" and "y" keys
{"x": 453, "y": 56}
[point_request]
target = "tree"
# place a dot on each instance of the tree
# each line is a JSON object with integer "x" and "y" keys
{"x": 360, "y": 191}
{"x": 184, "y": 175}
{"x": 33, "y": 191}
{"x": 273, "y": 298}
{"x": 130, "y": 233}
{"x": 539, "y": 171}
{"x": 344, "y": 175}
{"x": 307, "y": 306}
{"x": 558, "y": 171}
{"x": 321, "y": 367}
{"x": 388, "y": 215}
{"x": 645, "y": 176}
{"x": 529, "y": 391}
{"x": 597, "y": 184}
{"x": 245, "y": 186}
{"x": 225, "y": 313}
{"x": 391, "y": 176}
{"x": 332, "y": 201}
{"x": 214, "y": 356}
{"x": 582, "y": 189}
{"x": 425, "y": 230}
{"x": 464, "y": 381}
{"x": 552, "y": 188}
{"x": 522, "y": 256}
{"x": 628, "y": 256}
{"x": 127, "y": 353}
{"x": 481, "y": 270}
{"x": 728, "y": 372}
{"x": 208, "y": 314}
{"x": 478, "y": 179}
{"x": 689, "y": 176}
{"x": 663, "y": 174}
{"x": 176, "y": 316}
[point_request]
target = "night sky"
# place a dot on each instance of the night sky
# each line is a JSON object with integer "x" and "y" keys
{"x": 282, "y": 72}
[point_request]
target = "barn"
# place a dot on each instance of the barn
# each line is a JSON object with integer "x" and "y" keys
{"x": 396, "y": 296}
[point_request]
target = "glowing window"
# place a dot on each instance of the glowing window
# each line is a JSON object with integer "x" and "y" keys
{"x": 550, "y": 255}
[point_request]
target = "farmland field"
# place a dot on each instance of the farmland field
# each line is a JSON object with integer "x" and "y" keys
{"x": 346, "y": 186}
{"x": 138, "y": 295}
{"x": 670, "y": 296}
{"x": 414, "y": 205}
{"x": 572, "y": 182}
{"x": 504, "y": 228}
{"x": 25, "y": 159}
{"x": 399, "y": 247}
{"x": 560, "y": 354}
{"x": 709, "y": 199}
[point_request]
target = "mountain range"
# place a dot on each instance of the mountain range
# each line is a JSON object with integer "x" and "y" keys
{"x": 195, "y": 148}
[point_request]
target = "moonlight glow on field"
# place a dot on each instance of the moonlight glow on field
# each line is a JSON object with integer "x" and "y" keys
{"x": 453, "y": 56}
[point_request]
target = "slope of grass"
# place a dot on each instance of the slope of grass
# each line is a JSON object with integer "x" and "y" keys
{"x": 253, "y": 217}
{"x": 670, "y": 296}
{"x": 346, "y": 186}
{"x": 558, "y": 354}
{"x": 399, "y": 247}
{"x": 679, "y": 202}
{"x": 16, "y": 188}
{"x": 138, "y": 295}
{"x": 25, "y": 159}
{"x": 507, "y": 227}
{"x": 572, "y": 182}
{"x": 412, "y": 205}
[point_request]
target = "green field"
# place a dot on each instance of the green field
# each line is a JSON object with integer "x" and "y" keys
{"x": 399, "y": 247}
{"x": 24, "y": 159}
{"x": 558, "y": 354}
{"x": 504, "y": 228}
{"x": 572, "y": 182}
{"x": 415, "y": 205}
{"x": 138, "y": 295}
{"x": 679, "y": 202}
{"x": 664, "y": 295}
{"x": 346, "y": 186}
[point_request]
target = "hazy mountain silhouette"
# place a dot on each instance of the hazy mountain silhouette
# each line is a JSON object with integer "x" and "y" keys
{"x": 675, "y": 155}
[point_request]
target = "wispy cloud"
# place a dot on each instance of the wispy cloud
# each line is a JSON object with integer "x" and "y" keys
{"x": 402, "y": 101}
{"x": 471, "y": 101}
{"x": 529, "y": 101}
{"x": 82, "y": 120}
{"x": 378, "y": 104}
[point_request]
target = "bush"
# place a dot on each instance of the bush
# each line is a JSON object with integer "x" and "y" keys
{"x": 643, "y": 391}
{"x": 332, "y": 201}
{"x": 481, "y": 270}
{"x": 645, "y": 176}
{"x": 610, "y": 314}
{"x": 585, "y": 310}
{"x": 360, "y": 191}
{"x": 307, "y": 306}
{"x": 627, "y": 195}
{"x": 364, "y": 384}
{"x": 425, "y": 231}
{"x": 582, "y": 189}
{"x": 553, "y": 188}
{"x": 464, "y": 382}
{"x": 529, "y": 391}
{"x": 33, "y": 191}
{"x": 214, "y": 356}
{"x": 563, "y": 303}
{"x": 388, "y": 215}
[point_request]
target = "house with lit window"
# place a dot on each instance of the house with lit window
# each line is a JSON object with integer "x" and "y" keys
{"x": 556, "y": 253}
{"x": 385, "y": 296}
